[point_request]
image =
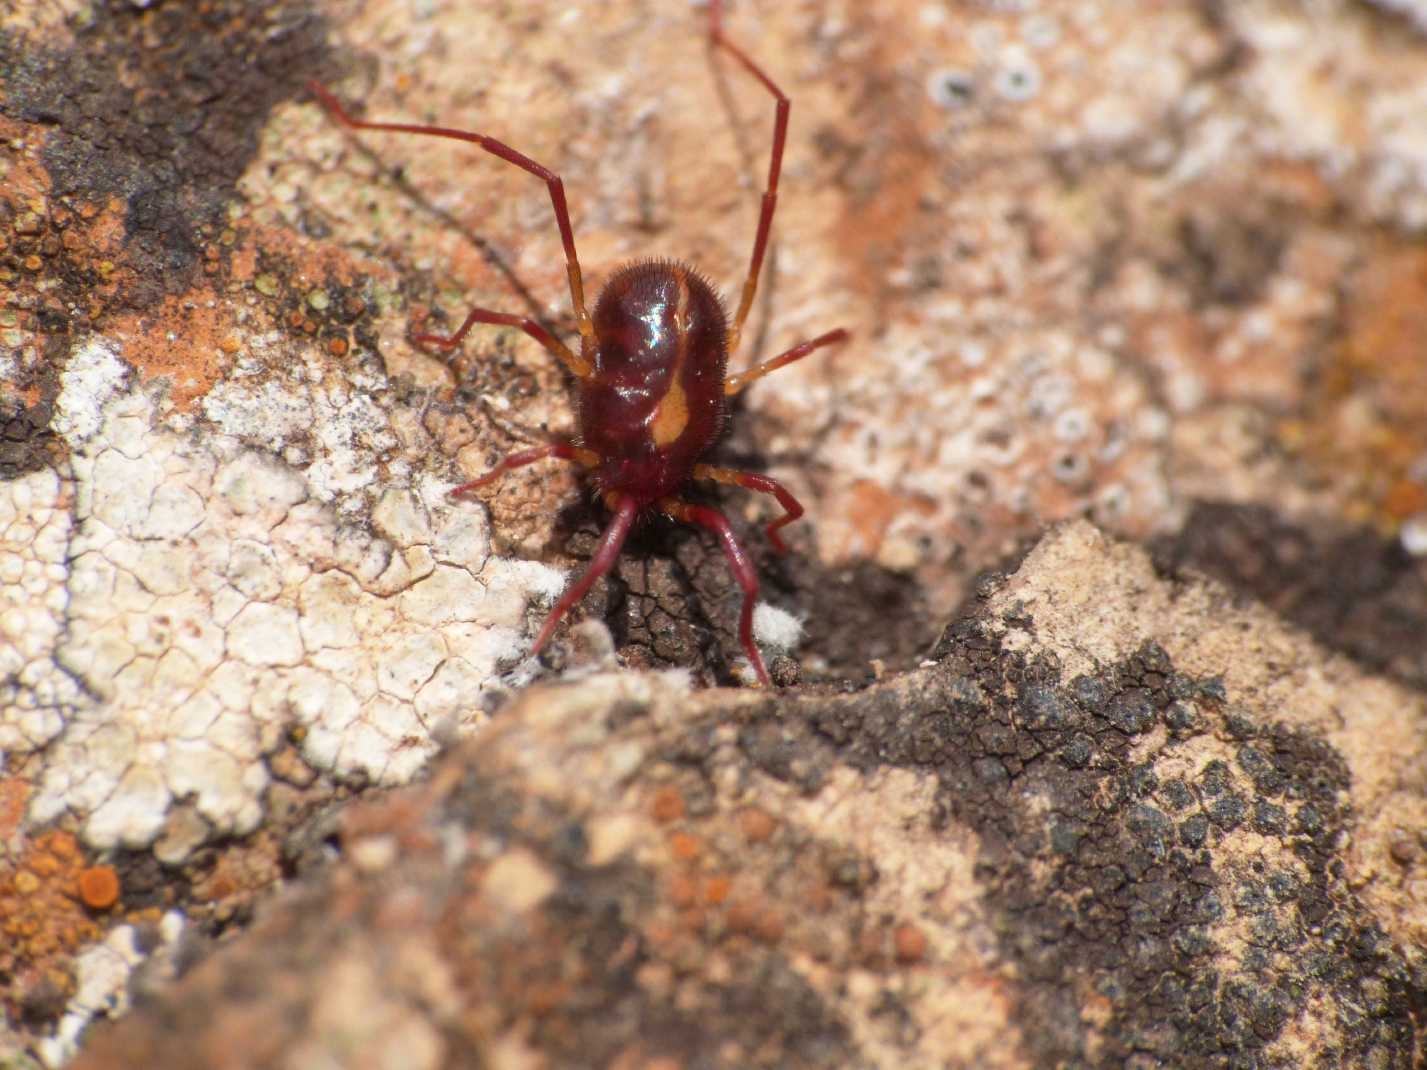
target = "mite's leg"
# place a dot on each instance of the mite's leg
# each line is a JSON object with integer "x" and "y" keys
{"x": 560, "y": 450}
{"x": 792, "y": 508}
{"x": 734, "y": 383}
{"x": 576, "y": 363}
{"x": 738, "y": 564}
{"x": 775, "y": 167}
{"x": 505, "y": 152}
{"x": 605, "y": 556}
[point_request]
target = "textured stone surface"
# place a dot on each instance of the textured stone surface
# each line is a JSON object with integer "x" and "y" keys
{"x": 1120, "y": 821}
{"x": 1159, "y": 265}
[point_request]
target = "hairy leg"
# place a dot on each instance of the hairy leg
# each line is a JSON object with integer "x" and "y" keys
{"x": 734, "y": 383}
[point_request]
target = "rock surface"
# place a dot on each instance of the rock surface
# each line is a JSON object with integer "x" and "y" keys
{"x": 1155, "y": 265}
{"x": 1120, "y": 821}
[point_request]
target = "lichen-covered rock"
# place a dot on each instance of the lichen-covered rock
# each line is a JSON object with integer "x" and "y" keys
{"x": 1155, "y": 264}
{"x": 1120, "y": 821}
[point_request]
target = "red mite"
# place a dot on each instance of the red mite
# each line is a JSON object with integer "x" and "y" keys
{"x": 652, "y": 372}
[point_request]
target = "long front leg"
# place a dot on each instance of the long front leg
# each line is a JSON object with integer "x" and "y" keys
{"x": 717, "y": 38}
{"x": 506, "y": 153}
{"x": 792, "y": 508}
{"x": 738, "y": 564}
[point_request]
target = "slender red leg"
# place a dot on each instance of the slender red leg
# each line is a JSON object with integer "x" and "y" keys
{"x": 775, "y": 167}
{"x": 505, "y": 152}
{"x": 576, "y": 363}
{"x": 606, "y": 554}
{"x": 734, "y": 383}
{"x": 560, "y": 450}
{"x": 792, "y": 508}
{"x": 738, "y": 564}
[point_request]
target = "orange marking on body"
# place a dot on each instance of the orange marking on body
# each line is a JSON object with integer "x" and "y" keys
{"x": 671, "y": 415}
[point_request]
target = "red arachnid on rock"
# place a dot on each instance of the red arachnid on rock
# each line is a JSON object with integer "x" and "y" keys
{"x": 652, "y": 373}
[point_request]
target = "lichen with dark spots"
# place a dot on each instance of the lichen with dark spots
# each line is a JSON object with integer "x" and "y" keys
{"x": 1138, "y": 885}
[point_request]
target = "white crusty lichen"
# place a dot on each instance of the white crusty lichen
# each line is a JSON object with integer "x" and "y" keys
{"x": 776, "y": 628}
{"x": 197, "y": 593}
{"x": 36, "y": 695}
{"x": 1414, "y": 535}
{"x": 91, "y": 377}
{"x": 102, "y": 974}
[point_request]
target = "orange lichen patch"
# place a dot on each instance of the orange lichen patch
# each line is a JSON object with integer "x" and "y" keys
{"x": 685, "y": 847}
{"x": 62, "y": 845}
{"x": 909, "y": 943}
{"x": 45, "y": 866}
{"x": 716, "y": 890}
{"x": 255, "y": 245}
{"x": 244, "y": 264}
{"x": 57, "y": 254}
{"x": 667, "y": 805}
{"x": 305, "y": 289}
{"x": 873, "y": 510}
{"x": 99, "y": 887}
{"x": 1364, "y": 425}
{"x": 27, "y": 188}
{"x": 757, "y": 919}
{"x": 14, "y": 794}
{"x": 756, "y": 825}
{"x": 182, "y": 339}
{"x": 42, "y": 922}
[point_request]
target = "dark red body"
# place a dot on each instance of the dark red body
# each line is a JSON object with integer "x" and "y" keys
{"x": 655, "y": 403}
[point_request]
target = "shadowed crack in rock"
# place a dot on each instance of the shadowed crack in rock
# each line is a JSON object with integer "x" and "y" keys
{"x": 1352, "y": 589}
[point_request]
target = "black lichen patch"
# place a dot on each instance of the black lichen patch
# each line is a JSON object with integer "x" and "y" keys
{"x": 26, "y": 442}
{"x": 662, "y": 601}
{"x": 1227, "y": 259}
{"x": 161, "y": 107}
{"x": 1206, "y": 911}
{"x": 1353, "y": 590}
